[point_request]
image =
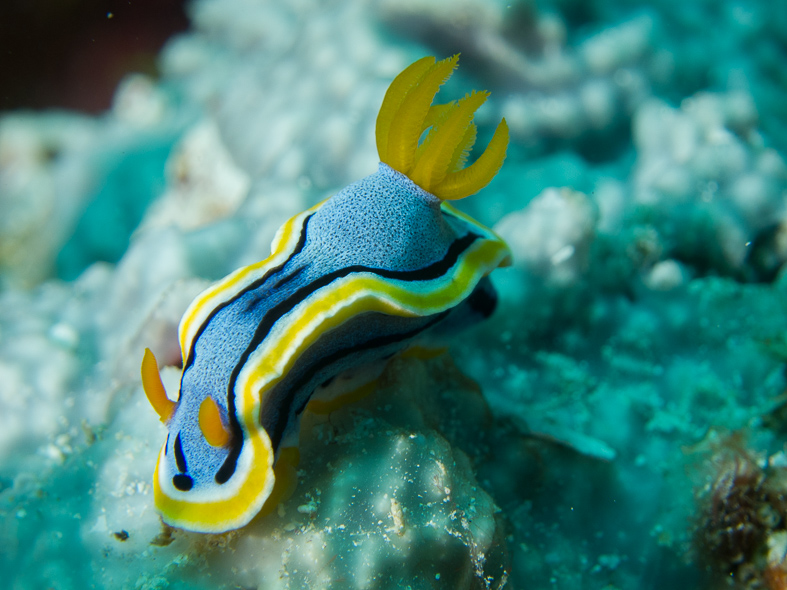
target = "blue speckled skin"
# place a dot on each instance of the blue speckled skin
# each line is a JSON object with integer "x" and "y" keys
{"x": 383, "y": 224}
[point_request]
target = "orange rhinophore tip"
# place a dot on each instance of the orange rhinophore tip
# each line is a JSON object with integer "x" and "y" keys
{"x": 210, "y": 423}
{"x": 154, "y": 388}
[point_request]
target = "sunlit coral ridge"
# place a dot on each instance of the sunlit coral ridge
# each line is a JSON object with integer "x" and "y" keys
{"x": 436, "y": 164}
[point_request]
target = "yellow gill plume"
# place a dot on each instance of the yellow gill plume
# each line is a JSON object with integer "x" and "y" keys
{"x": 154, "y": 388}
{"x": 399, "y": 88}
{"x": 436, "y": 164}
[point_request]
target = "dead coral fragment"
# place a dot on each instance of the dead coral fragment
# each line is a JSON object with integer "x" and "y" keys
{"x": 741, "y": 517}
{"x": 731, "y": 529}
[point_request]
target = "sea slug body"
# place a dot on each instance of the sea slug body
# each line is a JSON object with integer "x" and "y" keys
{"x": 381, "y": 265}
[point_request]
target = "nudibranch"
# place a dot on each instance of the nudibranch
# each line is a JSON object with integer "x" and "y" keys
{"x": 382, "y": 265}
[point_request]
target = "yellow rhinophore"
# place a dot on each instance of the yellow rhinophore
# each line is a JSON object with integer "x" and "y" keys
{"x": 154, "y": 388}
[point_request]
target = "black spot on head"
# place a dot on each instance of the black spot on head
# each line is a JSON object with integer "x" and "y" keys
{"x": 182, "y": 482}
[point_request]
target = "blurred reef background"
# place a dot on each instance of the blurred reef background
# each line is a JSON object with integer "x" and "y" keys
{"x": 619, "y": 423}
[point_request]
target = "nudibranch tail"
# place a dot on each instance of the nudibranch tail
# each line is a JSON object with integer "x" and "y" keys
{"x": 154, "y": 388}
{"x": 436, "y": 164}
{"x": 285, "y": 479}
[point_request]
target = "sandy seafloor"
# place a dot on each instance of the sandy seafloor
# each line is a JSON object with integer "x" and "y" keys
{"x": 619, "y": 423}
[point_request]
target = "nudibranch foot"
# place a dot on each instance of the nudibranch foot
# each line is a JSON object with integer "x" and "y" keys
{"x": 384, "y": 265}
{"x": 286, "y": 480}
{"x": 424, "y": 353}
{"x": 347, "y": 387}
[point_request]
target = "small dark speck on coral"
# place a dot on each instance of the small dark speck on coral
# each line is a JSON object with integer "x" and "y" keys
{"x": 121, "y": 535}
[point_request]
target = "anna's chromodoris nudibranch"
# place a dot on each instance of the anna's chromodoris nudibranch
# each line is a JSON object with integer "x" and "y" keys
{"x": 383, "y": 264}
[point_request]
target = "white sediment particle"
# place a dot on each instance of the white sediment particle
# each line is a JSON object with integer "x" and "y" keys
{"x": 777, "y": 548}
{"x": 562, "y": 255}
{"x": 309, "y": 508}
{"x": 64, "y": 334}
{"x": 139, "y": 101}
{"x": 664, "y": 276}
{"x": 53, "y": 453}
{"x": 598, "y": 102}
{"x": 397, "y": 516}
{"x": 618, "y": 45}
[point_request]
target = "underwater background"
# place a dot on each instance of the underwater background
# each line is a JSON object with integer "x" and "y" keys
{"x": 618, "y": 423}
